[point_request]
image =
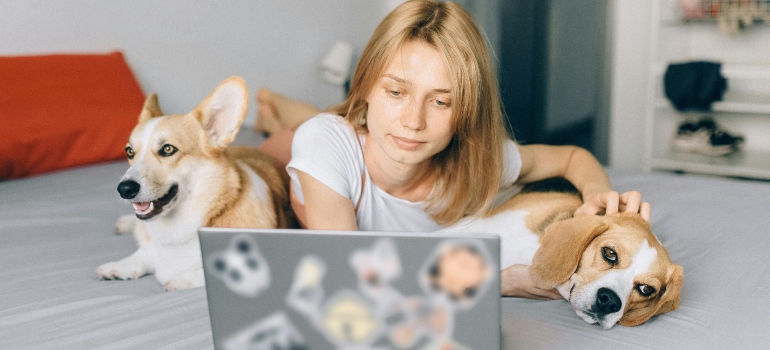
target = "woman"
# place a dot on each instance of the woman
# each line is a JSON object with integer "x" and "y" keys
{"x": 420, "y": 142}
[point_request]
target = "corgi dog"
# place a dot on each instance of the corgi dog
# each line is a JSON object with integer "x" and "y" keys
{"x": 183, "y": 176}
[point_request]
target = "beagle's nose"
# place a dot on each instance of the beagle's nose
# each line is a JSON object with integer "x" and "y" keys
{"x": 128, "y": 189}
{"x": 607, "y": 302}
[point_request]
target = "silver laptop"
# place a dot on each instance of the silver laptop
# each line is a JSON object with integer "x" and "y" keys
{"x": 302, "y": 289}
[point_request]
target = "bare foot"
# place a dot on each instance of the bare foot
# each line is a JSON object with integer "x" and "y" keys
{"x": 267, "y": 116}
{"x": 278, "y": 112}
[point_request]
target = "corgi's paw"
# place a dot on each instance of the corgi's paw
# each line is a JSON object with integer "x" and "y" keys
{"x": 185, "y": 281}
{"x": 125, "y": 224}
{"x": 120, "y": 270}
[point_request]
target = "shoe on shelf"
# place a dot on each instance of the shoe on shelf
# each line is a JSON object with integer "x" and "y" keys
{"x": 707, "y": 138}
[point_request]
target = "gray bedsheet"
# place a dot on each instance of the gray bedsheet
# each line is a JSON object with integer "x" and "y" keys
{"x": 55, "y": 229}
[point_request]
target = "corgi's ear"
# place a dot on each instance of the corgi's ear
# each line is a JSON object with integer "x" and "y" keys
{"x": 561, "y": 248}
{"x": 151, "y": 108}
{"x": 222, "y": 112}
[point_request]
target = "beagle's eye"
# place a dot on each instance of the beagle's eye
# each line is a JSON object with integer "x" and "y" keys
{"x": 130, "y": 152}
{"x": 167, "y": 150}
{"x": 645, "y": 290}
{"x": 610, "y": 256}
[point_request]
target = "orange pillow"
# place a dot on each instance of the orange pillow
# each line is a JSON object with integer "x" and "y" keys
{"x": 59, "y": 111}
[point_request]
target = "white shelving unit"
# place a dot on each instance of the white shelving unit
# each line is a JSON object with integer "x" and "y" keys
{"x": 745, "y": 108}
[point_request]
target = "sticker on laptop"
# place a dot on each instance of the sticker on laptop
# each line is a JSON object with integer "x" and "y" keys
{"x": 376, "y": 269}
{"x": 458, "y": 272}
{"x": 348, "y": 321}
{"x": 420, "y": 318}
{"x": 271, "y": 333}
{"x": 306, "y": 293}
{"x": 241, "y": 267}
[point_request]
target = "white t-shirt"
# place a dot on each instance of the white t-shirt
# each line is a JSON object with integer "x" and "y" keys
{"x": 326, "y": 148}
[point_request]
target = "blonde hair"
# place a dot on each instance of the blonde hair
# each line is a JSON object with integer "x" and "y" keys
{"x": 469, "y": 169}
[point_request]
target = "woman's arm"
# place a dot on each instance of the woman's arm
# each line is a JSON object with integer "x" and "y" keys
{"x": 580, "y": 167}
{"x": 585, "y": 172}
{"x": 325, "y": 209}
{"x": 515, "y": 281}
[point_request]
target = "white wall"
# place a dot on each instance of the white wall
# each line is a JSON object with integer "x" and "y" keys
{"x": 182, "y": 49}
{"x": 629, "y": 31}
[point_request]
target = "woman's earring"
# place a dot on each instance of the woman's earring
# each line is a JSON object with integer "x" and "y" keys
{"x": 362, "y": 120}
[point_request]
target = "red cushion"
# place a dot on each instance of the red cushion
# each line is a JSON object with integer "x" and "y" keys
{"x": 58, "y": 111}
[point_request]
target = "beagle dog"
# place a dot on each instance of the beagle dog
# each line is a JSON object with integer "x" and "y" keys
{"x": 612, "y": 269}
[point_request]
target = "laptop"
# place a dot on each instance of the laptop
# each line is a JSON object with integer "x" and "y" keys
{"x": 303, "y": 289}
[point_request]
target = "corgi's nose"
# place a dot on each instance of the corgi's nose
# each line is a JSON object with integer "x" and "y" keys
{"x": 607, "y": 302}
{"x": 128, "y": 189}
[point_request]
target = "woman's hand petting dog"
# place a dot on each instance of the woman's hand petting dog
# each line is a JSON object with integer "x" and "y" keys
{"x": 515, "y": 281}
{"x": 610, "y": 202}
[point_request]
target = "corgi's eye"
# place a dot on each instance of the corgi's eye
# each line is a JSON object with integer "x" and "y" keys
{"x": 130, "y": 152}
{"x": 610, "y": 256}
{"x": 645, "y": 290}
{"x": 167, "y": 150}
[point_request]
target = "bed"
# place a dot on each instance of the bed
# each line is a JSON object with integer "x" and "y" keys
{"x": 56, "y": 228}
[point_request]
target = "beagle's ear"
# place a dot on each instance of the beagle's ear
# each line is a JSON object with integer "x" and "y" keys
{"x": 561, "y": 247}
{"x": 151, "y": 108}
{"x": 667, "y": 301}
{"x": 222, "y": 112}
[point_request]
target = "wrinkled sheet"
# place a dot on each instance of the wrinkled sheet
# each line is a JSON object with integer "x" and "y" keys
{"x": 718, "y": 230}
{"x": 55, "y": 229}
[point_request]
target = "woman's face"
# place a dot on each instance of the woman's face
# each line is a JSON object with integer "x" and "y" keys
{"x": 409, "y": 113}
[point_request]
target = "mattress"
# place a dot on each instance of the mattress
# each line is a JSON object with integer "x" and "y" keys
{"x": 718, "y": 230}
{"x": 55, "y": 229}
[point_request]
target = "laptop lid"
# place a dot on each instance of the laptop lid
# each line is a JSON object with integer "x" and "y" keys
{"x": 303, "y": 289}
